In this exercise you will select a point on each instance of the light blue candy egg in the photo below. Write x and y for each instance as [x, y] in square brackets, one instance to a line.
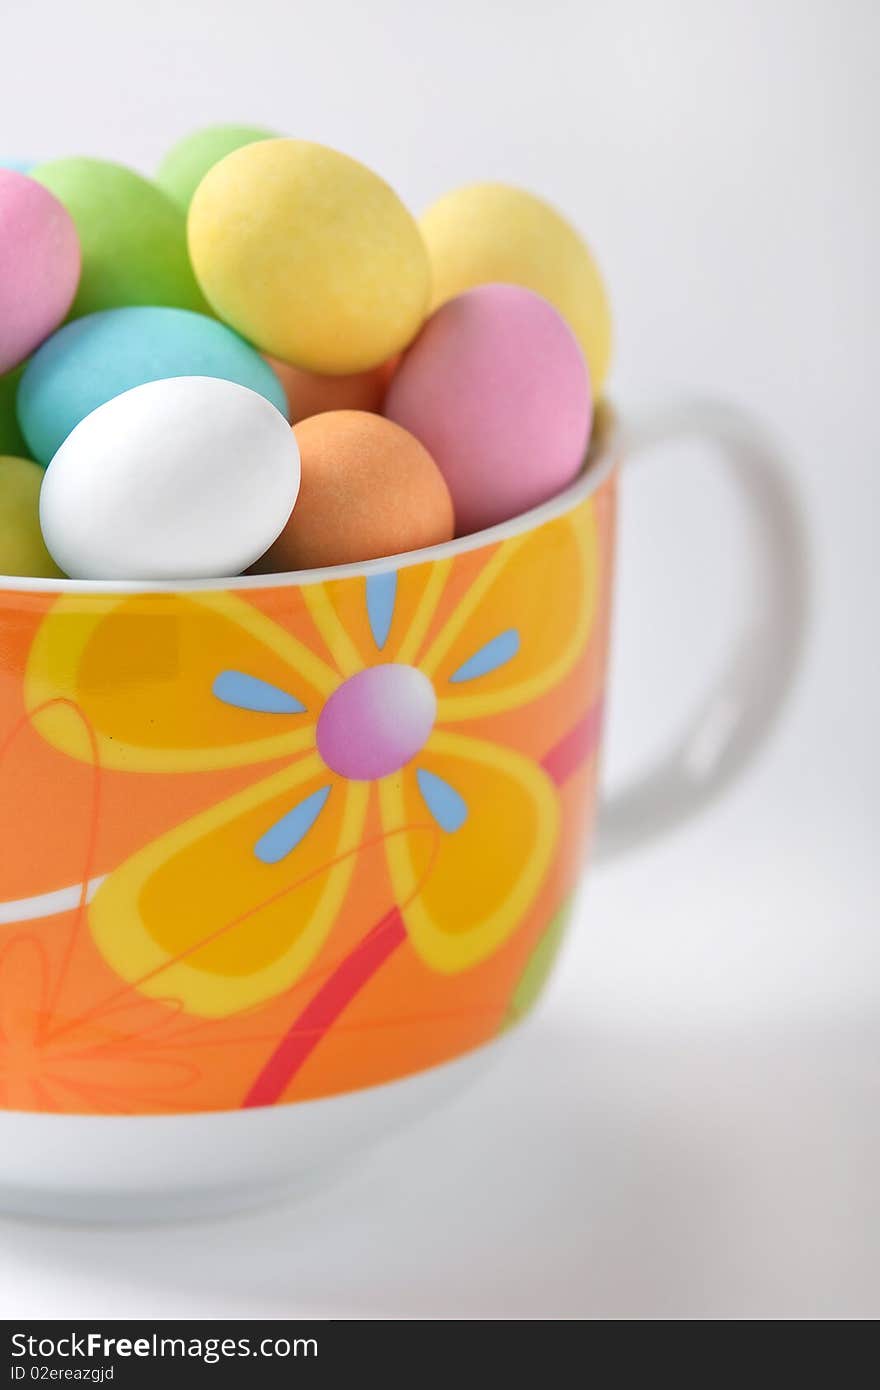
[93, 359]
[21, 166]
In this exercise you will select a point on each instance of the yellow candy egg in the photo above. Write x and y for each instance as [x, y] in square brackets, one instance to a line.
[22, 548]
[489, 232]
[310, 255]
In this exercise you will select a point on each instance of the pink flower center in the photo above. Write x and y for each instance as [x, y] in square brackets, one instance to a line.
[376, 721]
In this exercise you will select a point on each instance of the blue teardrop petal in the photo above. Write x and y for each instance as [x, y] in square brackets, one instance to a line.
[495, 653]
[381, 596]
[248, 692]
[287, 833]
[446, 806]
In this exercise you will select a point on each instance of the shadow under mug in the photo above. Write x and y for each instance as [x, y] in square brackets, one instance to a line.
[281, 855]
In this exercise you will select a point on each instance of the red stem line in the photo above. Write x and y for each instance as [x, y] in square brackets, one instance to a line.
[359, 966]
[566, 756]
[324, 1008]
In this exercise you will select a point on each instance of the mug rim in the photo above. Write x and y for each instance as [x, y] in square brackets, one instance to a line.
[596, 470]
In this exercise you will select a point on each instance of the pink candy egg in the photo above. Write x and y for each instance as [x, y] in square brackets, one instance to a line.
[496, 388]
[39, 265]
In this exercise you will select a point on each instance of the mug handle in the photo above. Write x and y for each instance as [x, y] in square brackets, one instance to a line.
[732, 721]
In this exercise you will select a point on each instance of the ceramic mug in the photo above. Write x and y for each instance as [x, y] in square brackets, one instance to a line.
[283, 855]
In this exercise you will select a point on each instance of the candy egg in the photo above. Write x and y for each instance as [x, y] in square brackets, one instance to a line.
[92, 359]
[39, 265]
[187, 162]
[11, 438]
[496, 388]
[489, 232]
[133, 237]
[21, 166]
[22, 548]
[310, 393]
[185, 478]
[310, 255]
[368, 489]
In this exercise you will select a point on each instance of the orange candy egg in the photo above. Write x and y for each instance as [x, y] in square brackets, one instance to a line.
[310, 393]
[368, 489]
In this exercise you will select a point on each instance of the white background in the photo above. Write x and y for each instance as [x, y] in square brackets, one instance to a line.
[690, 1125]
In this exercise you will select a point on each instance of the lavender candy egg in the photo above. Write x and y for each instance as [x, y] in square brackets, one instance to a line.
[496, 388]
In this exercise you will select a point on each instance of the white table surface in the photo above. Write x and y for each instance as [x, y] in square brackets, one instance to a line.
[689, 1126]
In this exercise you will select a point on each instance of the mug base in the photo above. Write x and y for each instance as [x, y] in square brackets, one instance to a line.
[152, 1168]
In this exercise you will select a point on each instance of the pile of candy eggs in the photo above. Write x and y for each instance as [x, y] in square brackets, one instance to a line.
[260, 361]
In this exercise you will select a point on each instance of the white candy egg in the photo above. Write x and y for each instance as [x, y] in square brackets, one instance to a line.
[186, 478]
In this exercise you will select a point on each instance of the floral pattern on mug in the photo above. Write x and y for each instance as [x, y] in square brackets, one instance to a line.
[396, 748]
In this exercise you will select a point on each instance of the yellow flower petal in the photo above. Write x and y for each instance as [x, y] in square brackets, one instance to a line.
[383, 617]
[419, 590]
[199, 916]
[338, 610]
[142, 669]
[521, 624]
[465, 892]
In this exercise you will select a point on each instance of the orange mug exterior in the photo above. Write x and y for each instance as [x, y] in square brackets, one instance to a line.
[202, 908]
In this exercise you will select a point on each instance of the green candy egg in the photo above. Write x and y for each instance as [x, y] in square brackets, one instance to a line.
[187, 162]
[133, 237]
[22, 548]
[11, 438]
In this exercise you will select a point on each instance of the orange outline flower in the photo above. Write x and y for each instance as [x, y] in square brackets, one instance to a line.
[111, 1064]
